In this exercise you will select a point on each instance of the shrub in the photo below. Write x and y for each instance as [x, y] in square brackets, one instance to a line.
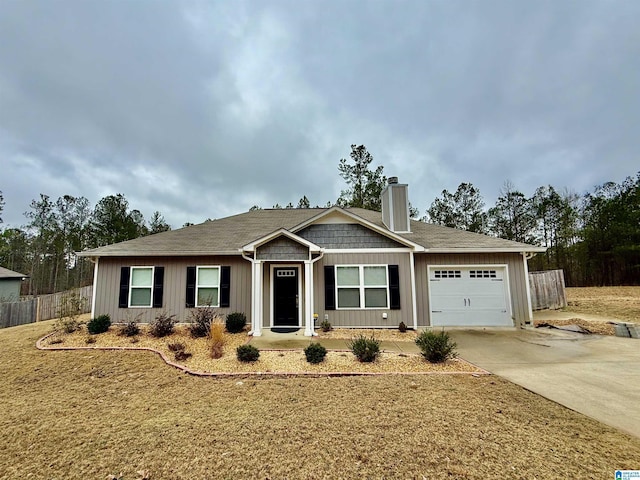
[70, 308]
[247, 353]
[181, 355]
[402, 327]
[315, 353]
[200, 321]
[162, 325]
[175, 347]
[216, 339]
[436, 347]
[325, 326]
[100, 324]
[129, 329]
[366, 349]
[235, 322]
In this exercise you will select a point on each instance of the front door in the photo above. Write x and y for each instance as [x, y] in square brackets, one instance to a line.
[285, 296]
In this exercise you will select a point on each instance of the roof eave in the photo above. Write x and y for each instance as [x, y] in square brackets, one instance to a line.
[163, 253]
[531, 249]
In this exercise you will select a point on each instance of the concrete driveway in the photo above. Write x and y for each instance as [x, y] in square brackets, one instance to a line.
[595, 375]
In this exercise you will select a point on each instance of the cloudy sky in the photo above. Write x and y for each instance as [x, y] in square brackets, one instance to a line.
[204, 108]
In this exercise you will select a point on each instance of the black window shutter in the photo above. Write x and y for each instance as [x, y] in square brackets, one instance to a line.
[123, 300]
[329, 288]
[158, 286]
[394, 287]
[191, 287]
[225, 286]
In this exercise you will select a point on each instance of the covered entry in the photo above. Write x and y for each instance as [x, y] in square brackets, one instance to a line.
[286, 296]
[473, 296]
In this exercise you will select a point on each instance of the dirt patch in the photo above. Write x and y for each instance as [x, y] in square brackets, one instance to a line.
[381, 334]
[87, 414]
[289, 361]
[621, 303]
[599, 328]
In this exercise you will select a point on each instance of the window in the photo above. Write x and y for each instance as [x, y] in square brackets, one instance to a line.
[362, 286]
[208, 287]
[141, 287]
[447, 274]
[482, 274]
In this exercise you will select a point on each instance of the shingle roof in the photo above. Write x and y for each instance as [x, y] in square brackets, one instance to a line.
[228, 235]
[6, 273]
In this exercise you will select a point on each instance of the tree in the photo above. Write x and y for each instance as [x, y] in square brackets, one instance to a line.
[158, 224]
[365, 185]
[463, 209]
[1, 205]
[113, 222]
[304, 202]
[513, 217]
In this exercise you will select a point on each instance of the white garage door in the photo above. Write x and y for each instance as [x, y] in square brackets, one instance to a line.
[469, 296]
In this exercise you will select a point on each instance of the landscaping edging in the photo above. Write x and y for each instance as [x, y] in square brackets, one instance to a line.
[40, 346]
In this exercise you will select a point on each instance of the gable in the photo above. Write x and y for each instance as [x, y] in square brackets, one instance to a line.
[282, 248]
[346, 235]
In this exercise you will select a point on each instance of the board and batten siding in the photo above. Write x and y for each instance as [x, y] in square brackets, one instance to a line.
[362, 318]
[175, 284]
[515, 270]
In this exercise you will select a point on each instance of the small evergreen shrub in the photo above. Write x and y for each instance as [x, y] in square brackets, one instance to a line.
[100, 324]
[436, 347]
[162, 325]
[235, 322]
[325, 326]
[200, 322]
[315, 353]
[247, 353]
[402, 327]
[366, 349]
[129, 329]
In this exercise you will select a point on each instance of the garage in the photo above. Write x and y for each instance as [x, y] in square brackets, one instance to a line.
[469, 296]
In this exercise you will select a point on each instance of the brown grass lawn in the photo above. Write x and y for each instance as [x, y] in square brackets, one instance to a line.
[87, 414]
[621, 303]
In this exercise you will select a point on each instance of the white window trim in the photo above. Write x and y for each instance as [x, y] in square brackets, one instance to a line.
[362, 287]
[198, 286]
[150, 287]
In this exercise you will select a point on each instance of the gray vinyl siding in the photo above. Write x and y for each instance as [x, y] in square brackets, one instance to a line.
[515, 270]
[175, 284]
[366, 318]
[346, 235]
[10, 289]
[282, 248]
[400, 209]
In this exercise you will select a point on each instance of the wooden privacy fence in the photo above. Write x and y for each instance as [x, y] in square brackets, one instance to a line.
[40, 308]
[547, 290]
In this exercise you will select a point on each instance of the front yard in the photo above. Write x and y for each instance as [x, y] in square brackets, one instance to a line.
[88, 414]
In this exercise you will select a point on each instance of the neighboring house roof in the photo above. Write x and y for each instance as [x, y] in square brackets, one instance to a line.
[227, 236]
[6, 273]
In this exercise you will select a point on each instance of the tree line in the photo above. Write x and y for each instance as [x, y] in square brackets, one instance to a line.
[45, 247]
[593, 237]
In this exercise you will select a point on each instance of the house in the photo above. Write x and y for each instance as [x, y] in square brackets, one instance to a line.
[10, 282]
[291, 268]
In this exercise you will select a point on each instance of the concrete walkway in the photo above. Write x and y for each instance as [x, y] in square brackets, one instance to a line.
[296, 340]
[595, 375]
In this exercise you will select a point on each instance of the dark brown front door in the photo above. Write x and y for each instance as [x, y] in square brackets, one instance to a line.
[285, 296]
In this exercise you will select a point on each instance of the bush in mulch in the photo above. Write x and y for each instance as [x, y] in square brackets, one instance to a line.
[247, 353]
[235, 322]
[315, 353]
[162, 325]
[366, 349]
[436, 347]
[100, 324]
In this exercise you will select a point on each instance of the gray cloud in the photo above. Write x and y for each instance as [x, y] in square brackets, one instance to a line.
[202, 109]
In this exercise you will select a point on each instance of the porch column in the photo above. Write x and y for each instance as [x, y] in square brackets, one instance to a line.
[256, 303]
[308, 302]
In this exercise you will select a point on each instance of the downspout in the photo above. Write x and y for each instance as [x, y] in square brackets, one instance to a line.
[526, 256]
[253, 293]
[311, 287]
[413, 290]
[94, 290]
